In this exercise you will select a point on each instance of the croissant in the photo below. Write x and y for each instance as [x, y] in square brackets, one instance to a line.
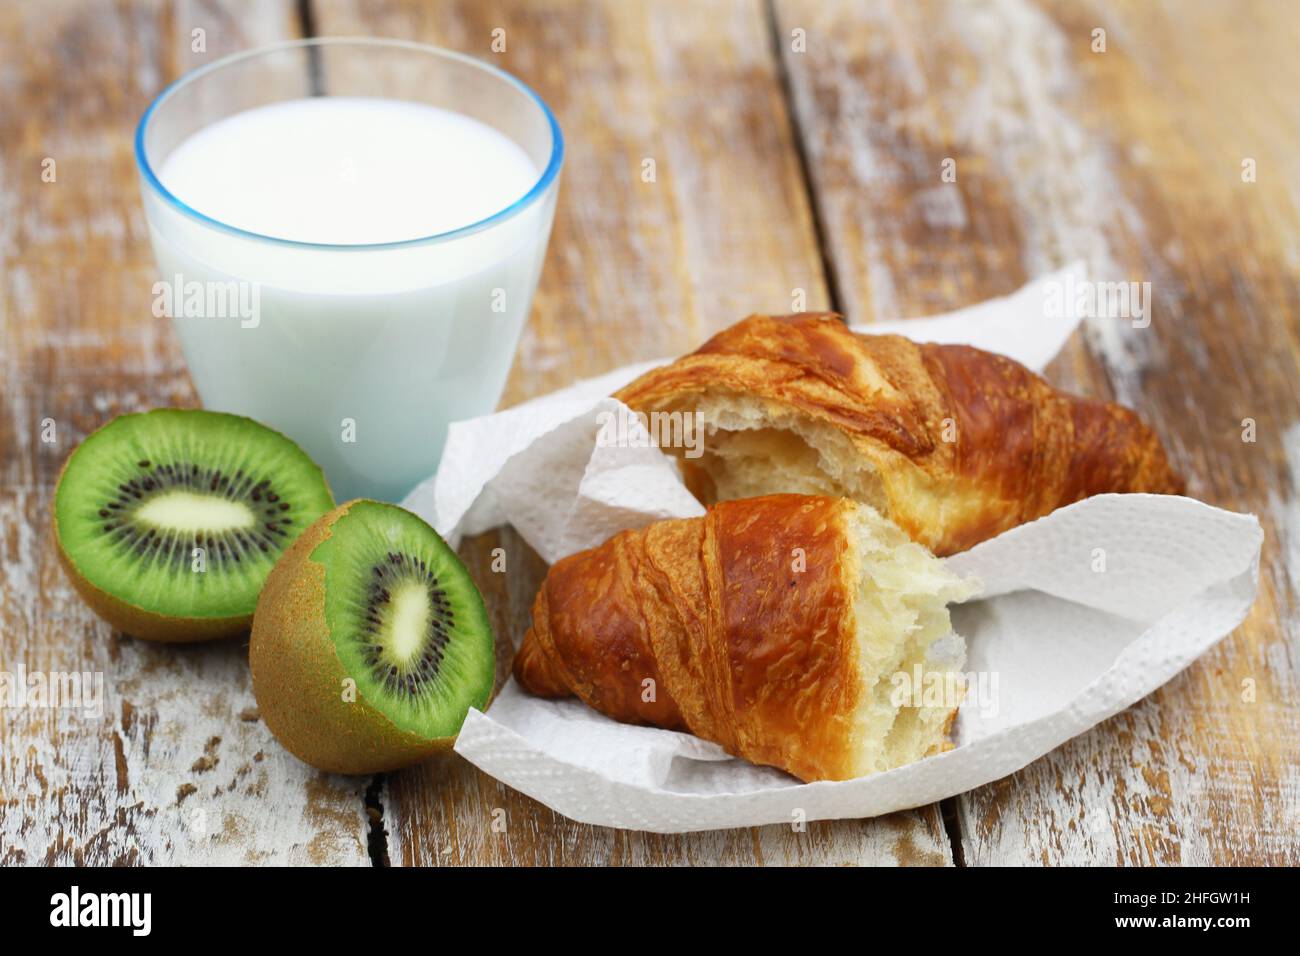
[784, 628]
[954, 444]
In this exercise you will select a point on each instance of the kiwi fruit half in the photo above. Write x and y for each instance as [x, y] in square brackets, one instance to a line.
[370, 643]
[169, 521]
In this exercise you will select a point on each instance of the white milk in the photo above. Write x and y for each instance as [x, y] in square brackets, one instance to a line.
[361, 355]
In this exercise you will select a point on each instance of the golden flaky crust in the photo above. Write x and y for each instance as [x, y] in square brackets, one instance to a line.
[741, 648]
[965, 443]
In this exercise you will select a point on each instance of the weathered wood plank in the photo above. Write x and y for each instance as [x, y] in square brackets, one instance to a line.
[174, 766]
[1131, 158]
[636, 269]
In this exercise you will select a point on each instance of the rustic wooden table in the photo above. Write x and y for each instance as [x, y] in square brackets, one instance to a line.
[799, 148]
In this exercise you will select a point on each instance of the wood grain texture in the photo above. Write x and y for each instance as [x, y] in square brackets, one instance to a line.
[1132, 159]
[635, 270]
[175, 766]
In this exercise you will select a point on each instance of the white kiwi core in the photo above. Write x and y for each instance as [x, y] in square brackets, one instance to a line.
[407, 624]
[189, 511]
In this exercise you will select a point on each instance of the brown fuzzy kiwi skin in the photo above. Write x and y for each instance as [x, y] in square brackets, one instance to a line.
[135, 620]
[298, 679]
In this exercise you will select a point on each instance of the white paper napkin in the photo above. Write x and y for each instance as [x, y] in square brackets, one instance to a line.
[1083, 612]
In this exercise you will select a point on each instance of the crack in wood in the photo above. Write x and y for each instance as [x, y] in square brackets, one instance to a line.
[799, 139]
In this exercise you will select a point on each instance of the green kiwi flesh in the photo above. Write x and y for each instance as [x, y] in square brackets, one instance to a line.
[370, 643]
[169, 521]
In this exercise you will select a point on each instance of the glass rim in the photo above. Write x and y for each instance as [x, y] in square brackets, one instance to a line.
[539, 188]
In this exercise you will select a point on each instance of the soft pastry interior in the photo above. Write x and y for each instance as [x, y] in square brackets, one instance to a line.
[900, 610]
[752, 450]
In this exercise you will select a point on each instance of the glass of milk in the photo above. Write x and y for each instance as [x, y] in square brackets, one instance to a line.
[349, 234]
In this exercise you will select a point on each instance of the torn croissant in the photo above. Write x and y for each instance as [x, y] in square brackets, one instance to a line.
[954, 444]
[774, 626]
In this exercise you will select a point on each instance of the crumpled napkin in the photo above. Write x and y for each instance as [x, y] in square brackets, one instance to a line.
[1082, 612]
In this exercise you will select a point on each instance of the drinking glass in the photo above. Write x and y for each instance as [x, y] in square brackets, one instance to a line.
[361, 353]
